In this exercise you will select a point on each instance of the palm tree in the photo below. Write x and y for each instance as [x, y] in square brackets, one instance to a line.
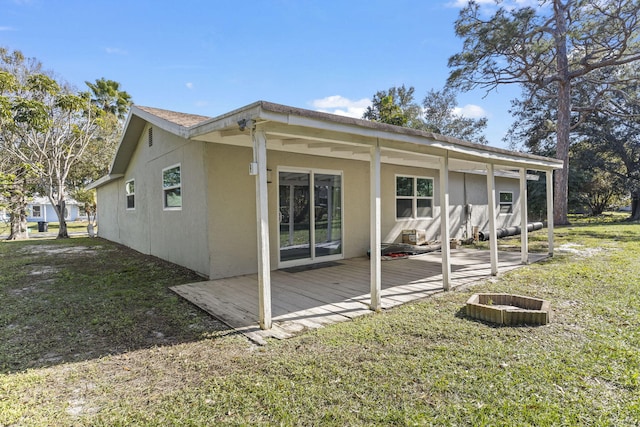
[106, 95]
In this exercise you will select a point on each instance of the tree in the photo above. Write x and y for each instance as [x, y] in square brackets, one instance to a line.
[440, 117]
[94, 163]
[15, 186]
[549, 49]
[605, 144]
[595, 181]
[107, 96]
[47, 126]
[16, 177]
[395, 107]
[614, 134]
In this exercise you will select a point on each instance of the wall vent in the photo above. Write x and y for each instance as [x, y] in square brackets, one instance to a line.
[150, 137]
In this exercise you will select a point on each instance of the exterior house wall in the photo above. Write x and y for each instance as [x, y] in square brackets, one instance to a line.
[110, 197]
[178, 236]
[232, 208]
[464, 189]
[232, 213]
[215, 231]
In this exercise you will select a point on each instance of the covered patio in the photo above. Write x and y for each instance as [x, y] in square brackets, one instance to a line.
[310, 297]
[276, 128]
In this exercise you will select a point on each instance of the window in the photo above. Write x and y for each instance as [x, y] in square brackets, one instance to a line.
[172, 187]
[506, 202]
[414, 197]
[130, 191]
[36, 211]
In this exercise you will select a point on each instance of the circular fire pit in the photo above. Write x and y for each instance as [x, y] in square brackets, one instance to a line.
[508, 310]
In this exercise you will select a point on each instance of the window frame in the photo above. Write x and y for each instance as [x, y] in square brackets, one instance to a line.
[414, 197]
[165, 189]
[33, 212]
[501, 203]
[128, 194]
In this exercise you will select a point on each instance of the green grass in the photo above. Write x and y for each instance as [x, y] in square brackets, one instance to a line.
[53, 227]
[79, 345]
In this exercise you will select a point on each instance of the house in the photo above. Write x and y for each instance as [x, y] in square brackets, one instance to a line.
[269, 186]
[40, 209]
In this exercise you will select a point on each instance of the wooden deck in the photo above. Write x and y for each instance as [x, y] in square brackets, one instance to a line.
[307, 298]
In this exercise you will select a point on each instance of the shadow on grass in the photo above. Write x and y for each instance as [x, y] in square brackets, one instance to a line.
[79, 299]
[621, 231]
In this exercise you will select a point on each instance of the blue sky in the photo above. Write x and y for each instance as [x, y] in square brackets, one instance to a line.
[209, 57]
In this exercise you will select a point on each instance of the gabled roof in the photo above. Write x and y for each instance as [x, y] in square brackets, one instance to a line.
[318, 133]
[180, 119]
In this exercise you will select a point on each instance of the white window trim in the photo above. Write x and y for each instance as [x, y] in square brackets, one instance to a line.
[505, 203]
[171, 208]
[414, 198]
[33, 215]
[126, 195]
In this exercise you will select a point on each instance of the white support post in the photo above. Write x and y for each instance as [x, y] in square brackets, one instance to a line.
[444, 222]
[262, 213]
[375, 221]
[491, 204]
[524, 221]
[550, 210]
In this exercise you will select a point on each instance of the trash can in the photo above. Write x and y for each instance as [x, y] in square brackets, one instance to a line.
[43, 226]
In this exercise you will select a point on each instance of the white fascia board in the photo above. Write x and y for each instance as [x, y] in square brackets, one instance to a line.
[226, 121]
[104, 180]
[467, 152]
[407, 140]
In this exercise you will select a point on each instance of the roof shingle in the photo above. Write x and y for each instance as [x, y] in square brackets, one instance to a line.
[181, 119]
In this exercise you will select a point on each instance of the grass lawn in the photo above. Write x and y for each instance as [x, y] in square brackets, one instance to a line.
[90, 335]
[53, 227]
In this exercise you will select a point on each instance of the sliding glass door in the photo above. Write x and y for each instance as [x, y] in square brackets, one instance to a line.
[310, 215]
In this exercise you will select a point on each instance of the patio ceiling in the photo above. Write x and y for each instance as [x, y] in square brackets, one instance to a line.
[313, 133]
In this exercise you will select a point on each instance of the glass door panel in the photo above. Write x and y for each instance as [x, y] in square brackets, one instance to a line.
[328, 214]
[295, 218]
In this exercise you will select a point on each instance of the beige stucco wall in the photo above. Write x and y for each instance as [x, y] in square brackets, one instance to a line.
[232, 208]
[107, 207]
[232, 213]
[215, 232]
[177, 236]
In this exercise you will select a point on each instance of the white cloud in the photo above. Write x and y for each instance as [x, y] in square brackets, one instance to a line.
[341, 106]
[189, 85]
[115, 51]
[470, 111]
[6, 28]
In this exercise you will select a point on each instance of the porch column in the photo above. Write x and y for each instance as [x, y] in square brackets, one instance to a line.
[524, 220]
[375, 221]
[550, 210]
[444, 222]
[491, 204]
[262, 213]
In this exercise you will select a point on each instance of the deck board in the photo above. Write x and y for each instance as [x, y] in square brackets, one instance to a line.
[313, 298]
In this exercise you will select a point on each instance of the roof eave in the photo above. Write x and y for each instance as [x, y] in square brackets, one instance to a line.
[270, 112]
[104, 180]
